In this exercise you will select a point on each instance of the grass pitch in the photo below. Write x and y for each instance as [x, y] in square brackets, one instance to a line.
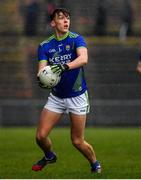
[118, 150]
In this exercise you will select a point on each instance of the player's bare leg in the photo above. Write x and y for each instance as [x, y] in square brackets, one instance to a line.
[77, 136]
[47, 121]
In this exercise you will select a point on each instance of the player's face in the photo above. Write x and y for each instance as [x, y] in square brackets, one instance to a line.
[61, 23]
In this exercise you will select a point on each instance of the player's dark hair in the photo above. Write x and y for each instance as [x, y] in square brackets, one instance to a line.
[57, 11]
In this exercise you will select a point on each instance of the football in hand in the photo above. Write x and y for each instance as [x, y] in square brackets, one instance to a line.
[48, 78]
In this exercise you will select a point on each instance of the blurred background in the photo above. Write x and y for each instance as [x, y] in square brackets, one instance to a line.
[112, 29]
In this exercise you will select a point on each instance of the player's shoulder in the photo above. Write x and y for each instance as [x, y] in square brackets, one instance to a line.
[48, 40]
[74, 35]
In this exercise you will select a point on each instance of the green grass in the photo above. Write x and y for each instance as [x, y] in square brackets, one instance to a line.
[118, 150]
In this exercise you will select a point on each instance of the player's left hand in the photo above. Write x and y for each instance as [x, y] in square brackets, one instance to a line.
[59, 68]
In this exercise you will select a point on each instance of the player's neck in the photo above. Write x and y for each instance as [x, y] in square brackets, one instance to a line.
[61, 36]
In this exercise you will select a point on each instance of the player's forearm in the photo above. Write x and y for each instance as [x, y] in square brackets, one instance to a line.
[78, 62]
[139, 67]
[41, 65]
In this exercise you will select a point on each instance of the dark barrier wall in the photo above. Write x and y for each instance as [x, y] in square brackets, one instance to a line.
[114, 85]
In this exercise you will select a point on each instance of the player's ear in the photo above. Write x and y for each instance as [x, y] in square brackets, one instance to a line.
[52, 23]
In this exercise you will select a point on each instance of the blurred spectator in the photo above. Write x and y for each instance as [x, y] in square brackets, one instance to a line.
[139, 64]
[62, 3]
[30, 12]
[126, 20]
[101, 18]
[49, 8]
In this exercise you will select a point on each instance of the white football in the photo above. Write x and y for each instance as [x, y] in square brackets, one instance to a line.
[48, 78]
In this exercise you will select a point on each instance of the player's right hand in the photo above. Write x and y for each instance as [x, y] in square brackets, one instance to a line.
[40, 84]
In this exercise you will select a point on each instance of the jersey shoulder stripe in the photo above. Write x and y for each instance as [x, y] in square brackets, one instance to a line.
[73, 35]
[48, 40]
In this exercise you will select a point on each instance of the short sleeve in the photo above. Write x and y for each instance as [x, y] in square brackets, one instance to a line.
[80, 42]
[41, 53]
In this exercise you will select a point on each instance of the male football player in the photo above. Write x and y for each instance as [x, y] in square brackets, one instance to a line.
[66, 52]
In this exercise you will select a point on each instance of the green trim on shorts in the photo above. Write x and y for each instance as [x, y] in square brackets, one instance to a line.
[87, 97]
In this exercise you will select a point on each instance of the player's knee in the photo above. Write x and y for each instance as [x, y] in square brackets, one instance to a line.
[40, 137]
[77, 142]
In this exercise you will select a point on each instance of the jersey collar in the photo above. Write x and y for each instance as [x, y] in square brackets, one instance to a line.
[63, 37]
